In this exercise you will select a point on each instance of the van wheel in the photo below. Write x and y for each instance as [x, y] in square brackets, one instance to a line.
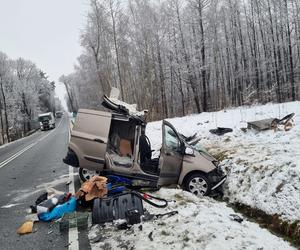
[86, 174]
[198, 184]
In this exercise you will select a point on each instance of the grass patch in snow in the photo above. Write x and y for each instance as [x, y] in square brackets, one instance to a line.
[290, 231]
[221, 155]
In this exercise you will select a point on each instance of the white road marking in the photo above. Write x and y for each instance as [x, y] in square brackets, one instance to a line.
[73, 232]
[11, 205]
[5, 162]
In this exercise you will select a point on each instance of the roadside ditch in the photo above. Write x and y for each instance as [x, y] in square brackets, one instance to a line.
[288, 230]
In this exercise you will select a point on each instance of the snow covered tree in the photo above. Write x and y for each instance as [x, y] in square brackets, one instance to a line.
[24, 93]
[178, 57]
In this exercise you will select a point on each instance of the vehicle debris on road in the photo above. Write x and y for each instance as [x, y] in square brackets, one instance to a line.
[93, 188]
[25, 228]
[58, 211]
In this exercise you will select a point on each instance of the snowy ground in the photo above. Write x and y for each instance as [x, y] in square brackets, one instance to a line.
[263, 167]
[201, 223]
[263, 172]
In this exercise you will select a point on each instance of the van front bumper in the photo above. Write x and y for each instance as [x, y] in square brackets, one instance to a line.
[217, 179]
[220, 183]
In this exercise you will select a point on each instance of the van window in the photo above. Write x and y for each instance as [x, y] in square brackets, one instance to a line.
[171, 140]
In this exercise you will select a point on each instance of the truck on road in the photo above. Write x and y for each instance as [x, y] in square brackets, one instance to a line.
[47, 121]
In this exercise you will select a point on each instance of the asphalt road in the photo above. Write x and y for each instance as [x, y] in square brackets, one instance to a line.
[27, 168]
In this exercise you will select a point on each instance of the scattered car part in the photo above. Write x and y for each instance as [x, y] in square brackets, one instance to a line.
[271, 123]
[115, 207]
[220, 131]
[25, 228]
[40, 199]
[261, 125]
[59, 210]
[127, 206]
[47, 205]
[96, 187]
[147, 216]
[133, 216]
[236, 217]
[150, 236]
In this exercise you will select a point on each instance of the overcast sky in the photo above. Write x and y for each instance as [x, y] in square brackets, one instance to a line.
[43, 31]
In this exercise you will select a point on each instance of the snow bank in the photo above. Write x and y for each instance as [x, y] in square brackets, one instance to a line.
[263, 167]
[263, 172]
[201, 223]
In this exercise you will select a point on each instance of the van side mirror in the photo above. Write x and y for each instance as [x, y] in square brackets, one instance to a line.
[189, 151]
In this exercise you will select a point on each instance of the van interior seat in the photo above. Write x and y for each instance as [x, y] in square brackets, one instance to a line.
[123, 161]
[147, 163]
[145, 149]
[120, 147]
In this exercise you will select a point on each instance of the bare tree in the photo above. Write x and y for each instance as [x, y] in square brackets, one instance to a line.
[179, 57]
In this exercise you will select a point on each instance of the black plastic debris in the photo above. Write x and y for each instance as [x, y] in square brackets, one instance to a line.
[236, 217]
[39, 200]
[147, 216]
[133, 216]
[150, 236]
[123, 226]
[116, 207]
[220, 131]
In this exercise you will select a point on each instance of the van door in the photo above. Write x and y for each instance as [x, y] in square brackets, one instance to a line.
[90, 137]
[170, 161]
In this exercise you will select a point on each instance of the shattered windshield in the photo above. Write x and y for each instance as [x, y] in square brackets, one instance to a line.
[44, 118]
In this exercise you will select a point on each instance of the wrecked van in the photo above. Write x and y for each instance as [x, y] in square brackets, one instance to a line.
[115, 143]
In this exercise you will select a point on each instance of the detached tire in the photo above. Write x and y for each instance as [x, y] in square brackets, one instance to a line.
[198, 184]
[86, 174]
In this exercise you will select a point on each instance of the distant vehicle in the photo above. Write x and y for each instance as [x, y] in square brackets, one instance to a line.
[47, 121]
[59, 114]
[115, 143]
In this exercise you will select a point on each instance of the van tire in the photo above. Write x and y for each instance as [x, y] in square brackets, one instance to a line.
[86, 175]
[198, 184]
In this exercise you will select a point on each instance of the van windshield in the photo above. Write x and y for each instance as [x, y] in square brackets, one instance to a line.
[44, 118]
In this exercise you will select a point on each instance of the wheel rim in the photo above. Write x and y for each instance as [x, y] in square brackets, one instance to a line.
[88, 174]
[198, 186]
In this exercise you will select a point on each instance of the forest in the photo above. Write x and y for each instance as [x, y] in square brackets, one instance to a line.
[25, 92]
[177, 57]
